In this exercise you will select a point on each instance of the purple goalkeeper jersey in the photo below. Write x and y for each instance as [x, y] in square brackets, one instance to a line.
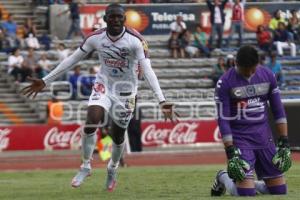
[242, 106]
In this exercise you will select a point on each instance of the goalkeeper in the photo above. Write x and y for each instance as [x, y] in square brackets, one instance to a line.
[242, 96]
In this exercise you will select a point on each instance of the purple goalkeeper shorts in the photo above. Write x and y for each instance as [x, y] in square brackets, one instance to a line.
[260, 161]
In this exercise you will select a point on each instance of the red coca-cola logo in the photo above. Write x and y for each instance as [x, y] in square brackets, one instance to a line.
[4, 140]
[55, 139]
[181, 133]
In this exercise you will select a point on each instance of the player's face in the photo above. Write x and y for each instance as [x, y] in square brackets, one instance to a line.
[115, 18]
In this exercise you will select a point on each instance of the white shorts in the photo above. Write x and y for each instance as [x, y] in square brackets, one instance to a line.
[120, 108]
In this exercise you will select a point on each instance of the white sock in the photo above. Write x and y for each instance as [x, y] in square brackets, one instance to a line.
[117, 151]
[261, 187]
[88, 147]
[229, 184]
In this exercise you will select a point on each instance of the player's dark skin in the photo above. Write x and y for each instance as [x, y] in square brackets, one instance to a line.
[115, 19]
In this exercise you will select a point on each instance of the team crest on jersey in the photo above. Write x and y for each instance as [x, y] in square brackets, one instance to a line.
[250, 90]
[99, 88]
[124, 52]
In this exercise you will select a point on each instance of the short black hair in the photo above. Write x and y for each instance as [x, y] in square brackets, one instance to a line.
[247, 57]
[113, 5]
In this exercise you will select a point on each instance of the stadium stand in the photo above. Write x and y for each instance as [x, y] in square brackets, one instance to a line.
[181, 79]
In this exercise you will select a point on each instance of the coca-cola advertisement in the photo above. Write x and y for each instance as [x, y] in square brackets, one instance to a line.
[40, 137]
[60, 137]
[184, 132]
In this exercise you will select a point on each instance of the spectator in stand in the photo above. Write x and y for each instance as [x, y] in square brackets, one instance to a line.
[264, 39]
[276, 68]
[32, 42]
[44, 63]
[55, 111]
[294, 25]
[217, 19]
[188, 45]
[200, 41]
[29, 28]
[174, 46]
[262, 59]
[75, 19]
[30, 35]
[46, 41]
[62, 51]
[74, 81]
[179, 28]
[15, 62]
[282, 40]
[30, 63]
[230, 62]
[10, 31]
[2, 40]
[273, 25]
[219, 69]
[87, 82]
[237, 20]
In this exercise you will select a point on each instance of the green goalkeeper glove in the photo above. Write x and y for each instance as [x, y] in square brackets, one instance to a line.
[282, 159]
[236, 166]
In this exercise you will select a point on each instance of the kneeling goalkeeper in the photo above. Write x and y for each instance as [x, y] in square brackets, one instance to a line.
[242, 96]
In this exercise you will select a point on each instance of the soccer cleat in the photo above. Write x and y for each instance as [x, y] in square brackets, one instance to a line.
[218, 189]
[80, 176]
[111, 179]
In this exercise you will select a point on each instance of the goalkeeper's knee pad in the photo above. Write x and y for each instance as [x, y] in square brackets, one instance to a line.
[278, 189]
[246, 191]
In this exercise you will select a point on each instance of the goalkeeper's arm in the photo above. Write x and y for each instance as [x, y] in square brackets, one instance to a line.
[282, 159]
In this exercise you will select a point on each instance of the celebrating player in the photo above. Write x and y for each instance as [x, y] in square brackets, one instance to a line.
[115, 88]
[241, 96]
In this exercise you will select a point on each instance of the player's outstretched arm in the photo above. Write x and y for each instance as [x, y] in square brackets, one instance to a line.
[38, 84]
[166, 107]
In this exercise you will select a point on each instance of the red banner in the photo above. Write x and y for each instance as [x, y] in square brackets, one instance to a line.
[90, 16]
[45, 137]
[188, 132]
[39, 137]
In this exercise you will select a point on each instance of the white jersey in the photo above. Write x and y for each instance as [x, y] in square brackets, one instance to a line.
[118, 59]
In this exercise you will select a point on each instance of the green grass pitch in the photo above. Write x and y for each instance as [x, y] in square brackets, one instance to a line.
[141, 183]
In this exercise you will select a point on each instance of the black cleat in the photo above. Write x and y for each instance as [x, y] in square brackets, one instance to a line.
[218, 188]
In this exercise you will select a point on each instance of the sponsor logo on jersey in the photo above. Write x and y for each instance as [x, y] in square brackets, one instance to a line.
[116, 63]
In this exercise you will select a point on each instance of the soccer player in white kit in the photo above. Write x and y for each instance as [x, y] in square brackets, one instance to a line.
[119, 49]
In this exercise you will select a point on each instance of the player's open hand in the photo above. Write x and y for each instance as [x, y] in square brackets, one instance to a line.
[34, 88]
[282, 159]
[236, 166]
[169, 111]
